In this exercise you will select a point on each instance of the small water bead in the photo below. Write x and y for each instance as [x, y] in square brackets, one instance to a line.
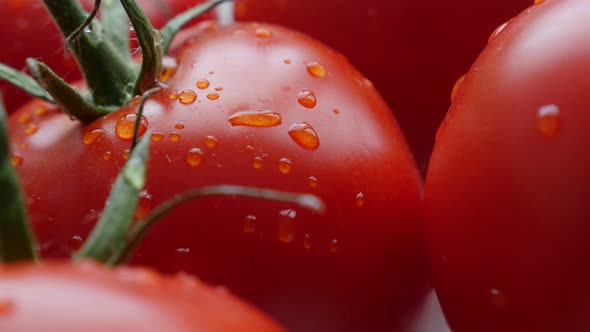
[174, 137]
[313, 182]
[286, 230]
[25, 118]
[187, 96]
[194, 157]
[31, 129]
[257, 163]
[126, 154]
[498, 298]
[41, 111]
[213, 96]
[92, 136]
[136, 100]
[304, 135]
[287, 61]
[316, 69]
[16, 159]
[249, 224]
[211, 141]
[179, 125]
[202, 84]
[169, 67]
[219, 88]
[126, 125]
[334, 246]
[360, 199]
[457, 87]
[285, 166]
[306, 241]
[107, 155]
[263, 32]
[255, 119]
[498, 30]
[336, 111]
[547, 122]
[538, 2]
[174, 96]
[157, 136]
[144, 205]
[307, 99]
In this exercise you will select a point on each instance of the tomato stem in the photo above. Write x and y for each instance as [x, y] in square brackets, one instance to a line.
[308, 201]
[144, 98]
[16, 240]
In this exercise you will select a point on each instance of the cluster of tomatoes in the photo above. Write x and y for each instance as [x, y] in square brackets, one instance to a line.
[499, 227]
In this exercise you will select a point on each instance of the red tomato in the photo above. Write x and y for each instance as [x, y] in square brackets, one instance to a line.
[413, 51]
[260, 106]
[91, 298]
[27, 20]
[507, 190]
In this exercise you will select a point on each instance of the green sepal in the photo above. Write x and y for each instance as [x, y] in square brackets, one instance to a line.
[151, 51]
[24, 82]
[174, 25]
[66, 97]
[114, 21]
[124, 253]
[16, 239]
[112, 228]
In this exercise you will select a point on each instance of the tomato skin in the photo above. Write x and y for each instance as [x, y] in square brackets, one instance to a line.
[413, 51]
[359, 266]
[27, 19]
[507, 189]
[59, 296]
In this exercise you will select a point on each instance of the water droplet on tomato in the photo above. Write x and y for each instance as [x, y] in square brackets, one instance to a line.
[286, 229]
[41, 111]
[75, 242]
[498, 298]
[7, 306]
[538, 2]
[107, 155]
[130, 27]
[213, 96]
[173, 137]
[257, 162]
[125, 126]
[360, 199]
[304, 135]
[316, 69]
[336, 111]
[313, 182]
[457, 87]
[16, 159]
[169, 67]
[174, 96]
[219, 88]
[194, 157]
[498, 30]
[202, 84]
[547, 122]
[210, 142]
[285, 166]
[31, 129]
[157, 136]
[25, 118]
[187, 96]
[249, 224]
[307, 99]
[125, 154]
[334, 246]
[306, 241]
[255, 119]
[92, 136]
[179, 125]
[263, 32]
[144, 204]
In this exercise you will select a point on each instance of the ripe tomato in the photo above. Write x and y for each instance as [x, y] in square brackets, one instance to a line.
[413, 51]
[88, 297]
[263, 106]
[508, 187]
[28, 19]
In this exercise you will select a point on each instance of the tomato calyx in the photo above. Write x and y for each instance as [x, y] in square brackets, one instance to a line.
[101, 49]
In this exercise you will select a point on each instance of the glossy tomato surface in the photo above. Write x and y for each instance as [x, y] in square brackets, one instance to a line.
[508, 188]
[88, 297]
[263, 106]
[413, 51]
[30, 32]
